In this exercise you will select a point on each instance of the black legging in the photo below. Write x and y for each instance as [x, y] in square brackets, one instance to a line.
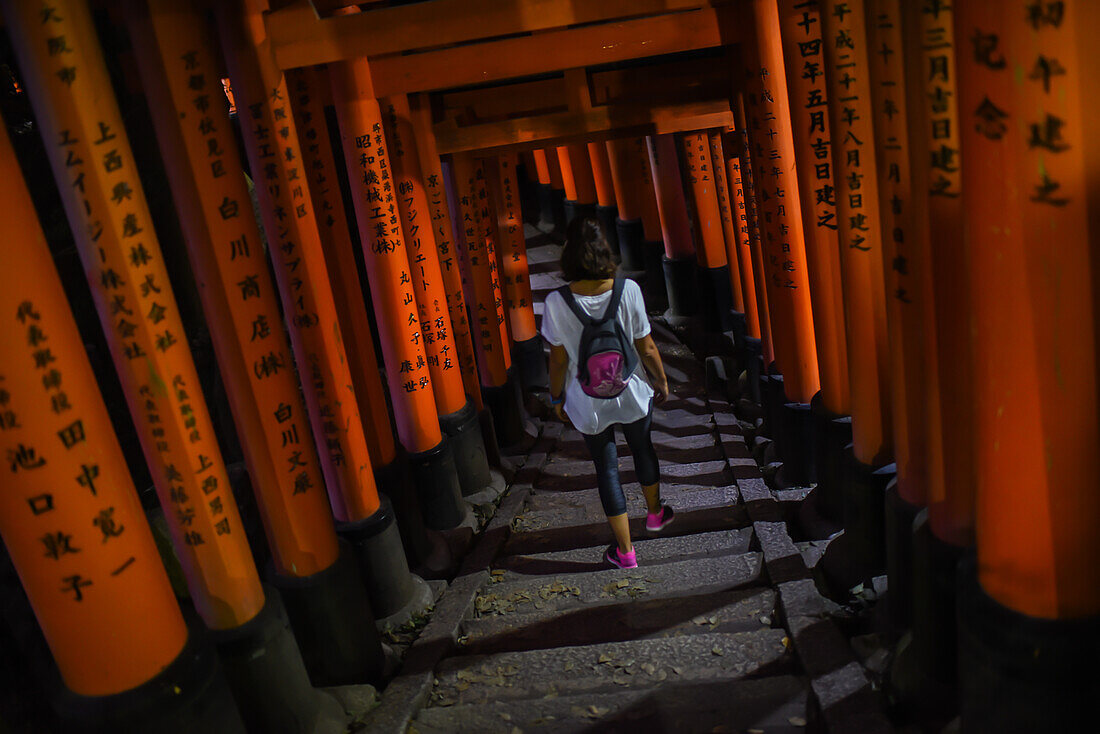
[606, 458]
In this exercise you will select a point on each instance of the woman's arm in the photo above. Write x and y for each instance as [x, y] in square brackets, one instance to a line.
[559, 361]
[651, 359]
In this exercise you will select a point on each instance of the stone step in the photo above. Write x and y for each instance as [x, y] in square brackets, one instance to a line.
[621, 620]
[679, 496]
[572, 590]
[606, 666]
[650, 550]
[568, 475]
[776, 705]
[702, 510]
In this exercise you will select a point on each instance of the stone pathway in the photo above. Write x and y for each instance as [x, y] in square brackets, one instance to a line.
[719, 629]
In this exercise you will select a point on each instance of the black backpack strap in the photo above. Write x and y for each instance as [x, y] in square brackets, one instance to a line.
[616, 297]
[567, 296]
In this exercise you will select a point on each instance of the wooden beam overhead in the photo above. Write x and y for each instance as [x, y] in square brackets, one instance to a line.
[593, 124]
[546, 52]
[301, 37]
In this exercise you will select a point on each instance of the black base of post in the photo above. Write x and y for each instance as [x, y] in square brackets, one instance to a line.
[435, 477]
[631, 235]
[332, 620]
[607, 216]
[468, 446]
[1019, 673]
[775, 397]
[575, 209]
[753, 363]
[864, 497]
[506, 404]
[683, 290]
[385, 572]
[190, 695]
[268, 677]
[530, 360]
[716, 298]
[546, 197]
[656, 294]
[557, 203]
[393, 480]
[831, 434]
[489, 433]
[796, 450]
[739, 329]
[899, 557]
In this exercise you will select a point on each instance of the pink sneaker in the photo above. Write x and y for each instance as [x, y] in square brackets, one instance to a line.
[655, 521]
[617, 558]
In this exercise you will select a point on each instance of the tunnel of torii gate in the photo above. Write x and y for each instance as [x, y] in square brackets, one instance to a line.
[273, 391]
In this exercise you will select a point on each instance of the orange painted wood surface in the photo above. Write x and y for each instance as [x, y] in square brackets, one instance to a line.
[601, 173]
[576, 173]
[626, 172]
[542, 168]
[804, 61]
[668, 187]
[174, 46]
[744, 234]
[857, 198]
[69, 514]
[97, 177]
[554, 167]
[701, 181]
[756, 251]
[515, 272]
[725, 207]
[294, 246]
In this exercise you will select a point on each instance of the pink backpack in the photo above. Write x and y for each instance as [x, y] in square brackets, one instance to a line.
[606, 358]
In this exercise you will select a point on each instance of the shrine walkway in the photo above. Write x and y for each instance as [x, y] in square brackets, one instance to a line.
[719, 629]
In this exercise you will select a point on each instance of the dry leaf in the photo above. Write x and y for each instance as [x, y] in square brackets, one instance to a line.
[786, 642]
[716, 650]
[604, 658]
[797, 721]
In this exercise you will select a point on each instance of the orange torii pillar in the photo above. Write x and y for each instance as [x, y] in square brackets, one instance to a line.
[856, 182]
[713, 275]
[104, 201]
[477, 244]
[606, 209]
[374, 191]
[577, 179]
[178, 65]
[548, 222]
[653, 250]
[678, 262]
[626, 173]
[458, 415]
[71, 520]
[557, 186]
[1029, 613]
[310, 92]
[294, 246]
[778, 195]
[527, 350]
[804, 59]
[492, 225]
[729, 231]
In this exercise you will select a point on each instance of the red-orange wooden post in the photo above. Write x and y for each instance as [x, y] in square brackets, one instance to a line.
[857, 186]
[626, 168]
[476, 237]
[69, 515]
[729, 223]
[577, 180]
[457, 414]
[365, 148]
[1027, 99]
[778, 195]
[176, 57]
[547, 222]
[294, 246]
[310, 92]
[606, 210]
[492, 223]
[679, 261]
[527, 349]
[731, 150]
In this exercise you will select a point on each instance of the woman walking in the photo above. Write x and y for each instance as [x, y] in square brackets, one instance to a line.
[594, 376]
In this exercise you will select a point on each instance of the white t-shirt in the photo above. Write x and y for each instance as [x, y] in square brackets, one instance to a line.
[562, 328]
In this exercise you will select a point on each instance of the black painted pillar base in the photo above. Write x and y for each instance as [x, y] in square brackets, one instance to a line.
[557, 202]
[631, 235]
[394, 481]
[796, 449]
[716, 298]
[382, 565]
[332, 620]
[831, 434]
[1019, 673]
[545, 193]
[530, 360]
[682, 287]
[435, 477]
[489, 433]
[607, 217]
[864, 497]
[506, 404]
[738, 330]
[268, 677]
[190, 695]
[656, 293]
[575, 209]
[468, 446]
[775, 397]
[753, 364]
[900, 516]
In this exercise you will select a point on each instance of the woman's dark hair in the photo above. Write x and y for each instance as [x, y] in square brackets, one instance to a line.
[586, 255]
